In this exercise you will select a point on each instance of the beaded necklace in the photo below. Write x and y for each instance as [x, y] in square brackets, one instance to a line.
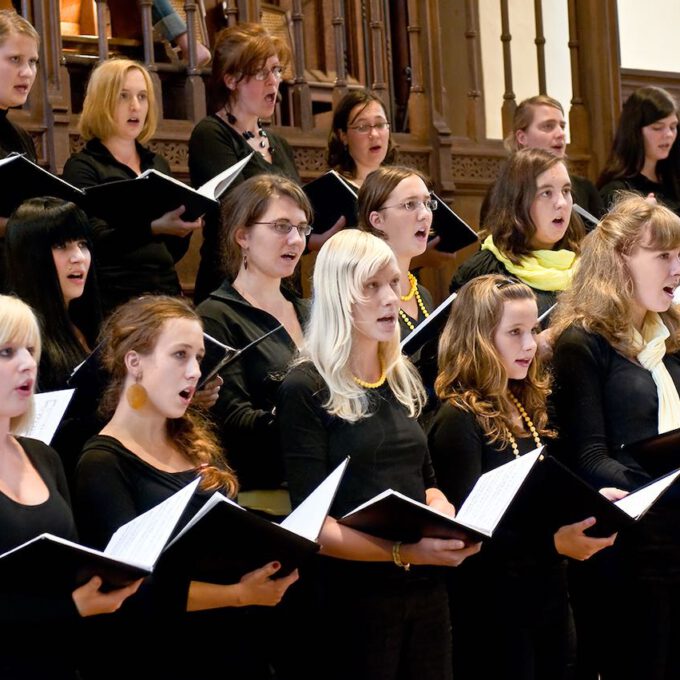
[405, 298]
[372, 385]
[528, 421]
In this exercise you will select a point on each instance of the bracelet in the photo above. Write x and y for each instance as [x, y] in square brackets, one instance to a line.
[396, 557]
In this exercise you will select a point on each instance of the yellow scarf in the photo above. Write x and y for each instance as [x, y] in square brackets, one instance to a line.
[653, 343]
[543, 269]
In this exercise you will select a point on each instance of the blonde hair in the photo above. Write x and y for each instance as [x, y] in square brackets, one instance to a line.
[18, 324]
[602, 292]
[103, 89]
[344, 264]
[472, 376]
[13, 23]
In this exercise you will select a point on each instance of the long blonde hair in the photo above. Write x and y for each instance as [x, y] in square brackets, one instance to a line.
[602, 291]
[345, 263]
[471, 374]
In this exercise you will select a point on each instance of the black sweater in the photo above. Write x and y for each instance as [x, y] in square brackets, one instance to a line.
[213, 147]
[603, 400]
[664, 193]
[244, 410]
[130, 260]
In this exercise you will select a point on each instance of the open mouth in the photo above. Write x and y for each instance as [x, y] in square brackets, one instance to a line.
[376, 148]
[26, 388]
[76, 276]
[422, 233]
[291, 257]
[669, 290]
[388, 320]
[187, 393]
[558, 221]
[270, 98]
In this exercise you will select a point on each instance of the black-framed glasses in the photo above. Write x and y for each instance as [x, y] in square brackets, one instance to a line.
[412, 204]
[284, 227]
[264, 73]
[365, 128]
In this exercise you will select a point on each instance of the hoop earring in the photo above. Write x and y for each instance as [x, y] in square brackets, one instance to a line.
[136, 395]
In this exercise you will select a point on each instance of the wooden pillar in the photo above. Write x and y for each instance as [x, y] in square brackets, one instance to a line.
[194, 88]
[102, 41]
[376, 23]
[475, 120]
[418, 107]
[509, 103]
[540, 46]
[302, 100]
[338, 23]
[595, 28]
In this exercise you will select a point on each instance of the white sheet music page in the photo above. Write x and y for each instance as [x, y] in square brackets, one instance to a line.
[48, 410]
[636, 503]
[308, 518]
[493, 493]
[142, 540]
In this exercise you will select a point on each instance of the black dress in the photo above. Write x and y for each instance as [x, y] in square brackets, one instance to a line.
[244, 410]
[603, 400]
[375, 620]
[114, 486]
[29, 619]
[131, 261]
[509, 605]
[213, 147]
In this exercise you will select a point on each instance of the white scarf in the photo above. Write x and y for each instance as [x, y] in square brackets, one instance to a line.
[653, 342]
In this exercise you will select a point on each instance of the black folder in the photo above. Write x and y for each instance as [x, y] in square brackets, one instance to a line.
[22, 179]
[53, 564]
[656, 455]
[331, 197]
[454, 232]
[428, 330]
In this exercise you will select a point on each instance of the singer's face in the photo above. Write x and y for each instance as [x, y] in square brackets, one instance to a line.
[256, 97]
[515, 337]
[375, 316]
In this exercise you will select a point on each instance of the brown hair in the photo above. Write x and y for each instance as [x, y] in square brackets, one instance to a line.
[246, 204]
[376, 189]
[242, 50]
[11, 22]
[337, 154]
[136, 326]
[600, 299]
[103, 89]
[472, 377]
[524, 117]
[509, 221]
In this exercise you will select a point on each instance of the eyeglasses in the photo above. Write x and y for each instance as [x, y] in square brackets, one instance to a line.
[413, 205]
[284, 227]
[264, 73]
[365, 128]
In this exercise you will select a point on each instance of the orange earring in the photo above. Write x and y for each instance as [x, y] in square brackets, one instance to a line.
[136, 395]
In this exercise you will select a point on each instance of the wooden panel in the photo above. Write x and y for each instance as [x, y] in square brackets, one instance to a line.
[632, 79]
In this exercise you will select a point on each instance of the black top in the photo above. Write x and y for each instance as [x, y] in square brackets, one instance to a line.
[248, 396]
[664, 194]
[114, 486]
[603, 400]
[485, 262]
[28, 619]
[388, 449]
[582, 189]
[214, 146]
[12, 138]
[130, 260]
